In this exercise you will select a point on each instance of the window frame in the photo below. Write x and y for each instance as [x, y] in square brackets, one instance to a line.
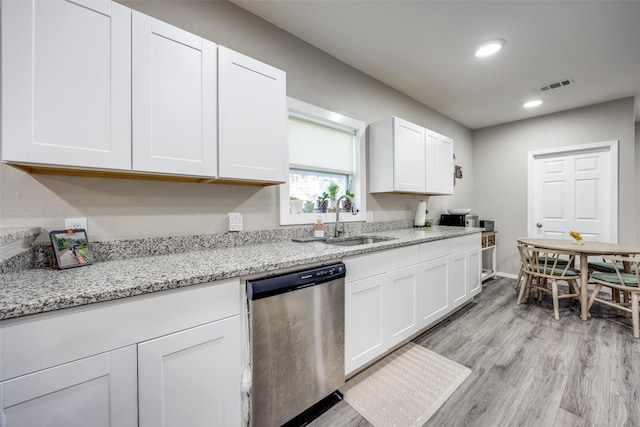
[320, 115]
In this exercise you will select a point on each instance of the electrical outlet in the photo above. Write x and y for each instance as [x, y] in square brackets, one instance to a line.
[75, 223]
[235, 221]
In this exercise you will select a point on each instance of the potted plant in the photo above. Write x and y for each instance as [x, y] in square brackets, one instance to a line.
[308, 206]
[295, 205]
[346, 203]
[332, 190]
[323, 202]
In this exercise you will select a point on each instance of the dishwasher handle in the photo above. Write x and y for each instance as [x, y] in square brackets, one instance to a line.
[270, 286]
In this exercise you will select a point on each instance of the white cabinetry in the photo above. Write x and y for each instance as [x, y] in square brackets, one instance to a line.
[397, 152]
[407, 158]
[66, 83]
[434, 281]
[380, 303]
[465, 279]
[166, 350]
[191, 377]
[439, 163]
[252, 119]
[174, 100]
[95, 391]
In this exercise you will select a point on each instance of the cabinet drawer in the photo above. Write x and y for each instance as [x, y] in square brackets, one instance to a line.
[463, 243]
[368, 265]
[435, 249]
[40, 341]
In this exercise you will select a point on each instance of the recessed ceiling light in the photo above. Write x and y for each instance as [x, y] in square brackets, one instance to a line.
[490, 47]
[531, 104]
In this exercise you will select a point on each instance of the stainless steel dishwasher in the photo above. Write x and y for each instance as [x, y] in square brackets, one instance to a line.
[297, 343]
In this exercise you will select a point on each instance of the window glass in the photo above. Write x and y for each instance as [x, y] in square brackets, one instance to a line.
[326, 151]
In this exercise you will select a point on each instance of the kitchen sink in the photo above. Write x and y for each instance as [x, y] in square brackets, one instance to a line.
[357, 240]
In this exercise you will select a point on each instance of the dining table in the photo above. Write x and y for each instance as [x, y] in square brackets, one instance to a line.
[584, 250]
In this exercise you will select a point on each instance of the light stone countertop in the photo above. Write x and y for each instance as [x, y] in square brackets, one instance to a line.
[41, 290]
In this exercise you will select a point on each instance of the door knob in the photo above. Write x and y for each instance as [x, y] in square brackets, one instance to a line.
[539, 225]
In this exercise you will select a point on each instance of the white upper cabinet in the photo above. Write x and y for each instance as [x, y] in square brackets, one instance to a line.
[397, 156]
[66, 83]
[439, 162]
[252, 119]
[407, 158]
[174, 100]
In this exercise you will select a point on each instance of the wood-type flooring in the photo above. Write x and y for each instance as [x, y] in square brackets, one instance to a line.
[529, 369]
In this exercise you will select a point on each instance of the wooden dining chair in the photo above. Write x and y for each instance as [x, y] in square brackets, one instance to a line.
[541, 267]
[625, 293]
[522, 274]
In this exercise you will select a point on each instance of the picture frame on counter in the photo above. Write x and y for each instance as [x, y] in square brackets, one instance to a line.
[70, 248]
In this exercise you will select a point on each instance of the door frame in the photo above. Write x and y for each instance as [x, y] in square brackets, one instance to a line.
[610, 146]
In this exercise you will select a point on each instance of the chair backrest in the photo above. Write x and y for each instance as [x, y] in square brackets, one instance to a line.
[616, 262]
[548, 263]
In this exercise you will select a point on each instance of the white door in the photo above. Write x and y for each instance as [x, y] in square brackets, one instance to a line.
[191, 378]
[402, 303]
[364, 322]
[252, 119]
[408, 156]
[458, 290]
[574, 189]
[474, 271]
[66, 83]
[174, 83]
[96, 391]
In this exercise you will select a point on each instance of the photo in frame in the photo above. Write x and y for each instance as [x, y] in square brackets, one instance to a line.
[71, 248]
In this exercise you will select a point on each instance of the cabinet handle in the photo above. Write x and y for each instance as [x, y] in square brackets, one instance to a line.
[539, 225]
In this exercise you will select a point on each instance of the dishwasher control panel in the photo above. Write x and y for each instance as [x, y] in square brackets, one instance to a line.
[269, 286]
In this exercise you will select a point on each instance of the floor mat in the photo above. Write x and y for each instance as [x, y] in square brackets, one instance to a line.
[405, 388]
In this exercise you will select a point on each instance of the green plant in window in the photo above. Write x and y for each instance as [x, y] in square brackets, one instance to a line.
[323, 202]
[333, 189]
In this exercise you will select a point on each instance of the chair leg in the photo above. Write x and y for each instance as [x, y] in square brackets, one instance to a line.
[523, 289]
[593, 296]
[635, 314]
[517, 285]
[554, 291]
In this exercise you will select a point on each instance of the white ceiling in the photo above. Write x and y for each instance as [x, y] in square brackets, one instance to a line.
[425, 49]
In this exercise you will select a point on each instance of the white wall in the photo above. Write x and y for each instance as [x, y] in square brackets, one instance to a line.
[119, 209]
[500, 163]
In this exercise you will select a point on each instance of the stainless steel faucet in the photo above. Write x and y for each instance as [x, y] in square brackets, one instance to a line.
[337, 230]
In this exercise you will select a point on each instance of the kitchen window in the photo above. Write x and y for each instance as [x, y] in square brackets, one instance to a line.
[325, 148]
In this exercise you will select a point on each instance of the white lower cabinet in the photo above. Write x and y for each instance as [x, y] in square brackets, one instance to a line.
[364, 322]
[402, 304]
[170, 358]
[190, 378]
[95, 391]
[434, 290]
[392, 295]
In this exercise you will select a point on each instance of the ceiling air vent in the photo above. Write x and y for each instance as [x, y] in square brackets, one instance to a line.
[556, 85]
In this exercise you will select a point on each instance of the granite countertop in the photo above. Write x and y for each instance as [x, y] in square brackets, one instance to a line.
[41, 290]
[12, 234]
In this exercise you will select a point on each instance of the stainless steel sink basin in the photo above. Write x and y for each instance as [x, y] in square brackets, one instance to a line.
[357, 240]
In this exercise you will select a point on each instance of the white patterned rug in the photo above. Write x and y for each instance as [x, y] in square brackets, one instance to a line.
[405, 388]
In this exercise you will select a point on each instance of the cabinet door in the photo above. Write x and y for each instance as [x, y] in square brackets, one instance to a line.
[191, 378]
[408, 156]
[439, 163]
[474, 271]
[174, 78]
[434, 290]
[66, 83]
[252, 119]
[458, 279]
[365, 337]
[402, 304]
[96, 391]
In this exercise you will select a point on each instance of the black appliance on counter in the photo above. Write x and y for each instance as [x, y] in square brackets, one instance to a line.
[488, 225]
[453, 220]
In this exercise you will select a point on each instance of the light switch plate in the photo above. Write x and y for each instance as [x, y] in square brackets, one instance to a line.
[235, 221]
